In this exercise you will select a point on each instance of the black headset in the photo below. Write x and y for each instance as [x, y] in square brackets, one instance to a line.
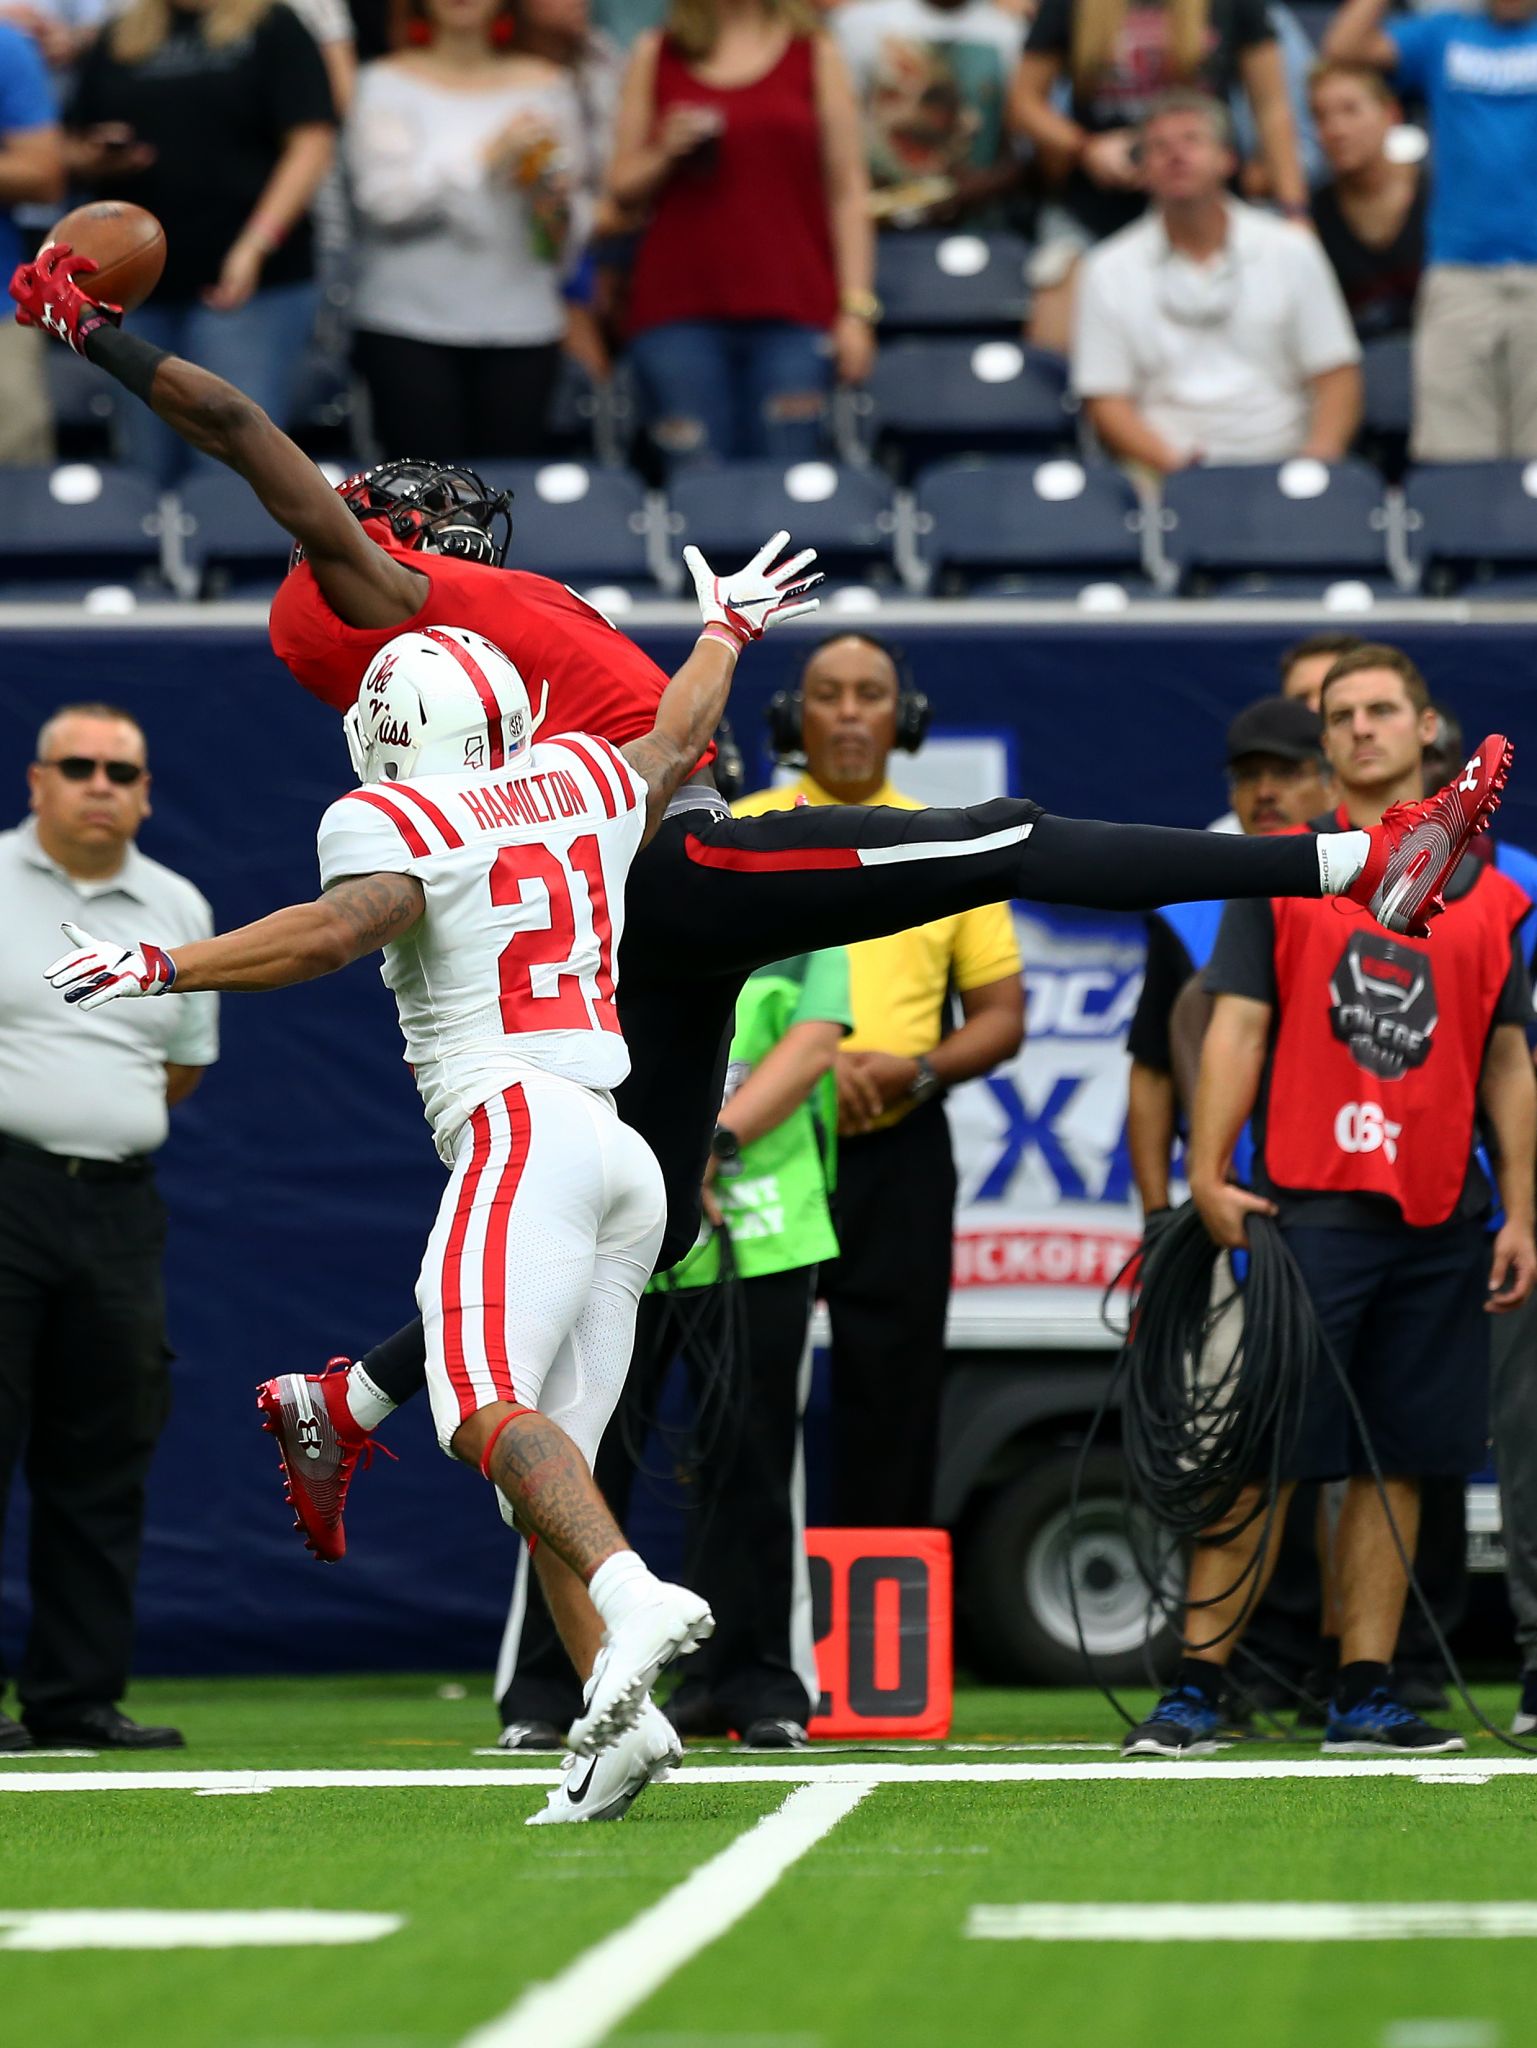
[914, 712]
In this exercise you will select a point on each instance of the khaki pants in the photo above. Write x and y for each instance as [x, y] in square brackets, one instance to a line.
[1475, 364]
[26, 417]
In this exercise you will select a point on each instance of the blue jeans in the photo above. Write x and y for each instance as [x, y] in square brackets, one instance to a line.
[257, 348]
[732, 389]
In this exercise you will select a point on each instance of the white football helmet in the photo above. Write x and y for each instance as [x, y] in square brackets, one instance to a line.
[437, 702]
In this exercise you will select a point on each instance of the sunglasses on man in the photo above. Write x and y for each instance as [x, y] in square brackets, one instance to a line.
[79, 768]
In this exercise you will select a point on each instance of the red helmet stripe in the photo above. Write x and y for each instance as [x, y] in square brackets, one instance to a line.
[496, 756]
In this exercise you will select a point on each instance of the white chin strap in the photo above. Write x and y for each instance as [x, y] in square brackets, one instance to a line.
[352, 730]
[536, 718]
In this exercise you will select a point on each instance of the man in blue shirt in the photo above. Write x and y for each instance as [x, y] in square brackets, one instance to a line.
[1475, 342]
[31, 169]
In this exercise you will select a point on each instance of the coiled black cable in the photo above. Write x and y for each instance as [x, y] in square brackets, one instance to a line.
[708, 1327]
[1210, 1404]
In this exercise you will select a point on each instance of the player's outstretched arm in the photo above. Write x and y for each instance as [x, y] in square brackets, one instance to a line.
[362, 584]
[353, 917]
[736, 610]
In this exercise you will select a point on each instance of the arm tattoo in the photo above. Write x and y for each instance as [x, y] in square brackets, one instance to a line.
[373, 909]
[657, 764]
[542, 1473]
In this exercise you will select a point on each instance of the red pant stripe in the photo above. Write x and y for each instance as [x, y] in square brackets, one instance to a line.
[453, 1258]
[769, 860]
[493, 1269]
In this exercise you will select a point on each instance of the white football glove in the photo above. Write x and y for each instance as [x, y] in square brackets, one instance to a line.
[101, 969]
[757, 597]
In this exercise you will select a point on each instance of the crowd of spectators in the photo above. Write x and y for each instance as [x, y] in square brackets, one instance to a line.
[1221, 205]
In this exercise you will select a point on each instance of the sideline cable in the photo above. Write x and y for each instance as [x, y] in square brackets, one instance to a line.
[1210, 1402]
[707, 1326]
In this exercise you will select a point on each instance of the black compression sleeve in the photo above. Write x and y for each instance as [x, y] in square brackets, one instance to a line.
[127, 357]
[398, 1365]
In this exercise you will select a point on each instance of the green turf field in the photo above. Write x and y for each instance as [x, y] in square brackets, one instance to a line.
[841, 1906]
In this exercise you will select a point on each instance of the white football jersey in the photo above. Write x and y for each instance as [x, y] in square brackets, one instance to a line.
[513, 965]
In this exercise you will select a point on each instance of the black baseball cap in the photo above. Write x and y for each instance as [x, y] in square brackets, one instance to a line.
[1282, 726]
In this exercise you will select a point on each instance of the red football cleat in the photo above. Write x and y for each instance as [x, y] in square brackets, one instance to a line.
[1417, 847]
[319, 1444]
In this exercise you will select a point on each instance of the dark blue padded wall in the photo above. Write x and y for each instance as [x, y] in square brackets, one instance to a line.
[301, 1181]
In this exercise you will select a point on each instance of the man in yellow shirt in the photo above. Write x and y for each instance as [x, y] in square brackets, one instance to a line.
[889, 1289]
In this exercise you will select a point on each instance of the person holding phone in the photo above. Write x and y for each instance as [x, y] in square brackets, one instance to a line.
[753, 281]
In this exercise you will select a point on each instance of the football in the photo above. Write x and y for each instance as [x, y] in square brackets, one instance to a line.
[128, 244]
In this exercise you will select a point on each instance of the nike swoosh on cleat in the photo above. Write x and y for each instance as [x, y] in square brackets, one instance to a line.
[577, 1793]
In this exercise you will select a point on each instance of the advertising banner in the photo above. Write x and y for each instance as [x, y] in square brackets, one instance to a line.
[1048, 1216]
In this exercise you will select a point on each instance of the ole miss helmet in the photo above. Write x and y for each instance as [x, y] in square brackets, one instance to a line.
[439, 702]
[441, 508]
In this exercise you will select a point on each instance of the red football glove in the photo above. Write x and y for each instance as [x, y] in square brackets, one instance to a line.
[47, 295]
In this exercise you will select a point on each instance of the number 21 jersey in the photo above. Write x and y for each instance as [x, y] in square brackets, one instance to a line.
[513, 965]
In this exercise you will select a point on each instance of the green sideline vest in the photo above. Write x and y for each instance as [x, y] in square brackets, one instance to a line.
[776, 1207]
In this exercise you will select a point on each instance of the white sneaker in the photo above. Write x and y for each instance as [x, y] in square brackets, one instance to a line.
[606, 1786]
[670, 1624]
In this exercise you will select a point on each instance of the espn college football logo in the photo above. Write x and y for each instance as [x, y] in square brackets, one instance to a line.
[1382, 999]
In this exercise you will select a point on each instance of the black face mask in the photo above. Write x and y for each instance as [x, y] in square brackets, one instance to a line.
[435, 507]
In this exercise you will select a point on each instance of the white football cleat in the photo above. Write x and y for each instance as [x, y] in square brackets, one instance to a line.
[670, 1624]
[606, 1786]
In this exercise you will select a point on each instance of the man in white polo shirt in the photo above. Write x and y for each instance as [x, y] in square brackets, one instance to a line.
[1208, 331]
[84, 1389]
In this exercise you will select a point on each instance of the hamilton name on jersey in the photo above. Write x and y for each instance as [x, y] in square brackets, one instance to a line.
[529, 800]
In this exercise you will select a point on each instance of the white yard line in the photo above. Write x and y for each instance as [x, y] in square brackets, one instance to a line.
[141, 1927]
[801, 1772]
[1258, 1920]
[607, 1983]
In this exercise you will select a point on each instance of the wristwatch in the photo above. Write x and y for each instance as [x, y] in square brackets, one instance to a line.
[927, 1084]
[726, 1151]
[861, 306]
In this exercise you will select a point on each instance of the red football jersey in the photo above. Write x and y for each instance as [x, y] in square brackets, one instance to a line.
[599, 680]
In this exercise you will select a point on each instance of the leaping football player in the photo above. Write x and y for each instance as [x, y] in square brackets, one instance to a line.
[492, 870]
[420, 544]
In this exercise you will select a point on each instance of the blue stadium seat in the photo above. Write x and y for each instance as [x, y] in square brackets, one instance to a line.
[582, 525]
[929, 282]
[574, 410]
[84, 401]
[1013, 526]
[226, 541]
[1287, 529]
[1385, 372]
[1389, 399]
[320, 413]
[927, 400]
[1472, 528]
[74, 527]
[847, 515]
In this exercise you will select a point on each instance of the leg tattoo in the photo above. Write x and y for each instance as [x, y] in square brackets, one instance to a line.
[543, 1474]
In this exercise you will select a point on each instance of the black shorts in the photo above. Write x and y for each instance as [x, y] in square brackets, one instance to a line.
[1404, 1313]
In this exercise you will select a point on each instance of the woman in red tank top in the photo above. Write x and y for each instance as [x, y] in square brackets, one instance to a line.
[738, 131]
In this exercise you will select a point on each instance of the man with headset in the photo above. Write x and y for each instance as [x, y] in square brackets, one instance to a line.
[888, 1291]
